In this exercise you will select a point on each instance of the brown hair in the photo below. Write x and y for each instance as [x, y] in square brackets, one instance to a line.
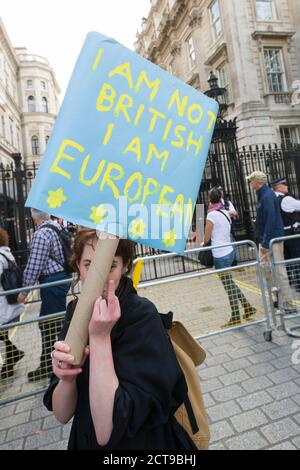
[126, 250]
[215, 195]
[4, 239]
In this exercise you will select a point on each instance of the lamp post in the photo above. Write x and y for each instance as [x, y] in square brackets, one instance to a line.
[225, 165]
[217, 93]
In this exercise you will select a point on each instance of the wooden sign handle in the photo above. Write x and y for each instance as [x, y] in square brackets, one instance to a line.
[77, 336]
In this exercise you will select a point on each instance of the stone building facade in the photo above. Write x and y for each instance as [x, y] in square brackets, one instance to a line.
[252, 46]
[28, 102]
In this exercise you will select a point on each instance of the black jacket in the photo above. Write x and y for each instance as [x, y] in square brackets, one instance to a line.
[151, 384]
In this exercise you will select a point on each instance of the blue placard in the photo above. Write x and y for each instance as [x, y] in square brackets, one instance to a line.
[128, 150]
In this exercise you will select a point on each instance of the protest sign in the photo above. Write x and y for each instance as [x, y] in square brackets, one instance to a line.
[128, 149]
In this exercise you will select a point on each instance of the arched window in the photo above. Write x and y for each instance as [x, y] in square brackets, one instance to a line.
[35, 145]
[44, 105]
[31, 104]
[47, 139]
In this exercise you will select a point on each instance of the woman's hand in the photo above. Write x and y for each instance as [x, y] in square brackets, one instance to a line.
[105, 314]
[62, 362]
[21, 298]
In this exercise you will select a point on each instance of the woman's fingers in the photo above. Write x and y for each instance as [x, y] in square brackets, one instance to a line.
[103, 307]
[111, 293]
[63, 357]
[106, 313]
[112, 301]
[62, 346]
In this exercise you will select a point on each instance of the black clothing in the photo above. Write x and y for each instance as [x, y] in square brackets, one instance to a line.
[151, 384]
[291, 252]
[289, 218]
[291, 247]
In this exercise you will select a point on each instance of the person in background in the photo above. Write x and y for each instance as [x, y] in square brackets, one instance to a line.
[8, 313]
[290, 213]
[125, 393]
[269, 225]
[228, 206]
[218, 231]
[46, 264]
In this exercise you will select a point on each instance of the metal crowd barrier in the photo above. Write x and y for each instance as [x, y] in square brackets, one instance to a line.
[202, 300]
[285, 293]
[21, 346]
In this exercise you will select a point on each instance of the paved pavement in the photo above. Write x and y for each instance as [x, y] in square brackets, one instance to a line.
[251, 389]
[200, 303]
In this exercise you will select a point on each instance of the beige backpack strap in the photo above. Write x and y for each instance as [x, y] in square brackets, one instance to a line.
[179, 335]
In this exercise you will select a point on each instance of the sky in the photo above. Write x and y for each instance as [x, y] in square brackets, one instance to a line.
[56, 29]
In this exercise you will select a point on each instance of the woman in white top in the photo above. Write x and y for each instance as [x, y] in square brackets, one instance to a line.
[8, 313]
[218, 230]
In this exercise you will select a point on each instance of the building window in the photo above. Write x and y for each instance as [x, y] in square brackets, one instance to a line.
[35, 145]
[47, 139]
[289, 136]
[191, 50]
[43, 85]
[3, 126]
[29, 84]
[31, 104]
[44, 105]
[224, 83]
[11, 133]
[18, 138]
[216, 19]
[265, 10]
[274, 70]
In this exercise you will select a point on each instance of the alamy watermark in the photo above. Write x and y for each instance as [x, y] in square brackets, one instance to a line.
[156, 222]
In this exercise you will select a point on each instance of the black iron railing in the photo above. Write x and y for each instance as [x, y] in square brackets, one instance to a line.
[227, 165]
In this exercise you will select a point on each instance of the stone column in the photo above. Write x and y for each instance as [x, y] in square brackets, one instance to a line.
[177, 62]
[195, 23]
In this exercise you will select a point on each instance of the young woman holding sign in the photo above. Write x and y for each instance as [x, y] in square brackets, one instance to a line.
[129, 385]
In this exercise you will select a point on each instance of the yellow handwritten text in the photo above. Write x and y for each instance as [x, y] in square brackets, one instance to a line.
[136, 187]
[177, 135]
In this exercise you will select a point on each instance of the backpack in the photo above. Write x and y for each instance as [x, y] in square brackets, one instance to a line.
[11, 278]
[191, 414]
[66, 239]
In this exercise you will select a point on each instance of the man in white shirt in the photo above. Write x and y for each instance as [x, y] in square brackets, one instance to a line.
[290, 213]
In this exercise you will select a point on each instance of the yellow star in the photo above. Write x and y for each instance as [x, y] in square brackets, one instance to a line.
[98, 214]
[137, 228]
[56, 198]
[169, 238]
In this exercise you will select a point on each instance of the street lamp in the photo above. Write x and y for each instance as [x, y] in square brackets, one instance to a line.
[217, 93]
